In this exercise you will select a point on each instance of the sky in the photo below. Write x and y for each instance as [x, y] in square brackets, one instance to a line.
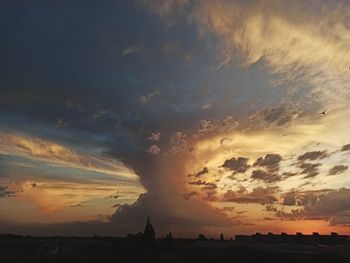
[207, 116]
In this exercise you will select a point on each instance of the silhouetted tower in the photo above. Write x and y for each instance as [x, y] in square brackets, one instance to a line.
[222, 237]
[149, 233]
[169, 238]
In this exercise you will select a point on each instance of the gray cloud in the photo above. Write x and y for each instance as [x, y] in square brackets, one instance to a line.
[209, 186]
[239, 165]
[310, 169]
[198, 182]
[289, 199]
[337, 169]
[154, 149]
[190, 214]
[225, 124]
[131, 49]
[155, 136]
[276, 116]
[311, 156]
[187, 196]
[148, 97]
[201, 172]
[345, 148]
[258, 195]
[270, 161]
[289, 174]
[178, 142]
[5, 192]
[265, 176]
[334, 206]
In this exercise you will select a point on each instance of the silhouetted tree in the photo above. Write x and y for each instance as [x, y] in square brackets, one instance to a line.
[149, 234]
[201, 237]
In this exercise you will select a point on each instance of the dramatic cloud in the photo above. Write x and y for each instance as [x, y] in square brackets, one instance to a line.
[239, 165]
[201, 172]
[346, 147]
[187, 196]
[258, 195]
[265, 176]
[311, 156]
[289, 199]
[169, 109]
[199, 182]
[5, 192]
[330, 205]
[271, 162]
[41, 149]
[206, 127]
[285, 37]
[178, 143]
[334, 206]
[337, 169]
[273, 116]
[310, 169]
[46, 193]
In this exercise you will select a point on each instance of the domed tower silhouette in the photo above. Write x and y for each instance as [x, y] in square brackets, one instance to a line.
[149, 233]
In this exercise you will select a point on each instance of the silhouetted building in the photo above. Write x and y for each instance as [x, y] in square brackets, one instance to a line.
[222, 237]
[149, 234]
[201, 237]
[169, 236]
[299, 238]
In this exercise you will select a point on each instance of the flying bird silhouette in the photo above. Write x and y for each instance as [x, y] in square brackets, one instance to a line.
[323, 113]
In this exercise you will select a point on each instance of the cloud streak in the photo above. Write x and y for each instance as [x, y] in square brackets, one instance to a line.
[57, 154]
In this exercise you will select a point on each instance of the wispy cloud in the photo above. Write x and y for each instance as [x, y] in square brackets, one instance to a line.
[131, 49]
[57, 154]
[148, 97]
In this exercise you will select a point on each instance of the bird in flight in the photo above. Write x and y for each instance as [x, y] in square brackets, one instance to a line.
[323, 113]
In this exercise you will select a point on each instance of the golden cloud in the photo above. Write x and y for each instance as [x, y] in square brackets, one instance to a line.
[57, 154]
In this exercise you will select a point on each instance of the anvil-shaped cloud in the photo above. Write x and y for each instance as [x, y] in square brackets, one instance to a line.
[214, 105]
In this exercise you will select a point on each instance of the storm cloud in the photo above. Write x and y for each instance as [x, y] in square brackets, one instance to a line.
[194, 88]
[270, 161]
[6, 192]
[237, 165]
[337, 169]
[311, 156]
[259, 195]
[265, 176]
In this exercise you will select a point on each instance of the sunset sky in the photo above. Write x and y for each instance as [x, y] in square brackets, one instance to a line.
[203, 115]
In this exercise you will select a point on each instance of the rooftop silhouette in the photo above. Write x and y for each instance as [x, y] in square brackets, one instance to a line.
[298, 238]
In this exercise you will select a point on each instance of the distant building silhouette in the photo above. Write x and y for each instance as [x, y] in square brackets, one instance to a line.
[298, 238]
[149, 234]
[201, 237]
[222, 237]
[169, 236]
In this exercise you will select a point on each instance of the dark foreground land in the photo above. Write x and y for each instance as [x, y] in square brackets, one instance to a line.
[107, 249]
